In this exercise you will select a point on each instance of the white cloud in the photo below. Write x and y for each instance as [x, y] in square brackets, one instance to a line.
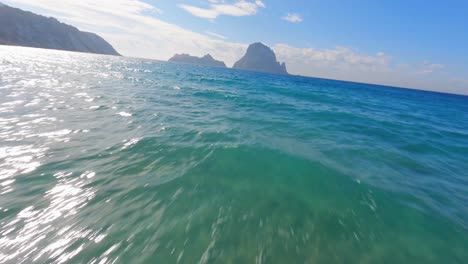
[346, 64]
[330, 63]
[260, 3]
[292, 17]
[218, 8]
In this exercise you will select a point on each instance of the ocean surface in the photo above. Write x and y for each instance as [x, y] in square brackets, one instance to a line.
[120, 160]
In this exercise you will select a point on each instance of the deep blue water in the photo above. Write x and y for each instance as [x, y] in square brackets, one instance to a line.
[137, 161]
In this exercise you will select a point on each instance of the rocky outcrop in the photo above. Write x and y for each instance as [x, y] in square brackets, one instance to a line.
[21, 28]
[206, 60]
[262, 59]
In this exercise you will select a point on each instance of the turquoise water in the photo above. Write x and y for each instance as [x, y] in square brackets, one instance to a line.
[135, 161]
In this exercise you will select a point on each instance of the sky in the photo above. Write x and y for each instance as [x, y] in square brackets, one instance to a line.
[421, 44]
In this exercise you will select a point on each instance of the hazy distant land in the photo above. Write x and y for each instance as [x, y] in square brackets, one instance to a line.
[259, 58]
[206, 60]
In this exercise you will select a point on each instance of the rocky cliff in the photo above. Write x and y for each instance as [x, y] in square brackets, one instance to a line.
[206, 60]
[260, 58]
[21, 28]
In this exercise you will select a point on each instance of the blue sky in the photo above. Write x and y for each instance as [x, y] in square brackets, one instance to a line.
[418, 44]
[413, 31]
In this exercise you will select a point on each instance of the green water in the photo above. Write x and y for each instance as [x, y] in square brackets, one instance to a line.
[133, 161]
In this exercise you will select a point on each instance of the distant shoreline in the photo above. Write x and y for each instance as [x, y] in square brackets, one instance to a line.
[230, 68]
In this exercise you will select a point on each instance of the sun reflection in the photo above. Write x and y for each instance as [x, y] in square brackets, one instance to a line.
[33, 101]
[15, 161]
[38, 226]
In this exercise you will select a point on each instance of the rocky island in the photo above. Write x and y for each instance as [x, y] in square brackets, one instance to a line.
[21, 28]
[261, 58]
[206, 60]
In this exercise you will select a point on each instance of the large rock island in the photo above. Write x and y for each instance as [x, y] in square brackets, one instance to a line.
[206, 60]
[262, 59]
[21, 28]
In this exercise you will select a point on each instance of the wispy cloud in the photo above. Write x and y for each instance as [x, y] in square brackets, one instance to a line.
[428, 67]
[292, 17]
[347, 64]
[216, 35]
[333, 60]
[218, 8]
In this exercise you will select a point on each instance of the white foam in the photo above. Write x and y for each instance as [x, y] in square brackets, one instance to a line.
[124, 114]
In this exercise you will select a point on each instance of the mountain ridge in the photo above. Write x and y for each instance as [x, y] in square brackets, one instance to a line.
[260, 58]
[27, 29]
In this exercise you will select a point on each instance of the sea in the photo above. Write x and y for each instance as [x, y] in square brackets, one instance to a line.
[121, 160]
